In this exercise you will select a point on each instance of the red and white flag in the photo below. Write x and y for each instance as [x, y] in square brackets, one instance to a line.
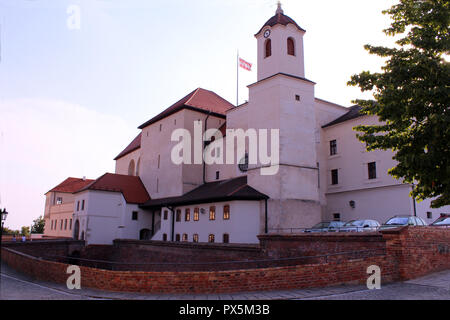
[245, 65]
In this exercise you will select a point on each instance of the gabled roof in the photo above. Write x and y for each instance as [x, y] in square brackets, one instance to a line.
[280, 18]
[225, 190]
[71, 185]
[353, 113]
[201, 100]
[134, 145]
[131, 187]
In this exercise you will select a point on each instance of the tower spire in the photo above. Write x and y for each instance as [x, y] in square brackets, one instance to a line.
[279, 9]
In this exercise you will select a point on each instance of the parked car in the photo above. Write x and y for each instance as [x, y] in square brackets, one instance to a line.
[326, 226]
[403, 220]
[442, 221]
[360, 226]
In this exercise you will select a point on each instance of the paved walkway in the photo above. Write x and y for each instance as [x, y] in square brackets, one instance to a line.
[16, 286]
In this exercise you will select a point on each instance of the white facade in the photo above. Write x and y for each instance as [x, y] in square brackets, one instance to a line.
[106, 216]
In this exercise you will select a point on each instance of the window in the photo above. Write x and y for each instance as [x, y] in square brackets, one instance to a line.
[268, 47]
[336, 216]
[177, 237]
[195, 238]
[226, 238]
[59, 200]
[290, 47]
[52, 225]
[131, 168]
[334, 177]
[211, 238]
[159, 160]
[212, 213]
[372, 168]
[217, 175]
[429, 215]
[82, 205]
[185, 237]
[178, 215]
[134, 215]
[70, 224]
[333, 147]
[61, 225]
[196, 215]
[78, 206]
[297, 97]
[65, 224]
[160, 127]
[165, 237]
[226, 212]
[187, 215]
[165, 215]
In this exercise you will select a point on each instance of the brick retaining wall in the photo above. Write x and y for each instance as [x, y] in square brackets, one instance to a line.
[410, 252]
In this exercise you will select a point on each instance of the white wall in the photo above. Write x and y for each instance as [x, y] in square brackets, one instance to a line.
[107, 216]
[242, 227]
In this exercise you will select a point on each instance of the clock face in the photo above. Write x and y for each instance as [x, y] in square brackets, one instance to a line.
[267, 34]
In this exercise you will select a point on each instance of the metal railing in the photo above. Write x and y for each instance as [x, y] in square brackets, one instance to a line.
[322, 230]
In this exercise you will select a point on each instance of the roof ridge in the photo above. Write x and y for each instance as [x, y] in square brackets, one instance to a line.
[192, 95]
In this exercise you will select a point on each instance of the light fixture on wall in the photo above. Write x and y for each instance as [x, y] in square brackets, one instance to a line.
[352, 204]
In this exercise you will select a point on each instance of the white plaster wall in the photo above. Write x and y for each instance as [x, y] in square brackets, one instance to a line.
[123, 163]
[378, 204]
[107, 216]
[242, 227]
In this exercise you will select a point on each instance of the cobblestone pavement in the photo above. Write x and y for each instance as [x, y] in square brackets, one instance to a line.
[16, 286]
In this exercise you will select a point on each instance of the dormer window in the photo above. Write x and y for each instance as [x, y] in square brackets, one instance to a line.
[268, 48]
[290, 47]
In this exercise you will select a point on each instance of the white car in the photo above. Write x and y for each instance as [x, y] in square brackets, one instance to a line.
[360, 226]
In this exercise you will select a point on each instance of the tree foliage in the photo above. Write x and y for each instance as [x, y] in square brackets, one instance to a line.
[411, 98]
[38, 225]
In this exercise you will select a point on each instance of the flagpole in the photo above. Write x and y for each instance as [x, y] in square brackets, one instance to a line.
[237, 79]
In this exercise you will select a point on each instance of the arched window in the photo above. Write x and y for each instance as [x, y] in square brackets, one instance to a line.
[195, 238]
[226, 212]
[268, 48]
[76, 232]
[185, 237]
[290, 47]
[211, 238]
[177, 237]
[131, 168]
[165, 237]
[226, 238]
[138, 167]
[144, 234]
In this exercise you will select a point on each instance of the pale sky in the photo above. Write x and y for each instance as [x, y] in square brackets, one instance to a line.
[72, 99]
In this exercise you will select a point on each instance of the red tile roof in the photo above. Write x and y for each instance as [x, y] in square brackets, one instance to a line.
[199, 100]
[280, 18]
[131, 187]
[134, 145]
[71, 185]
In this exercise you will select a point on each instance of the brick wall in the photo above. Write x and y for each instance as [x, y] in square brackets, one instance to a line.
[410, 252]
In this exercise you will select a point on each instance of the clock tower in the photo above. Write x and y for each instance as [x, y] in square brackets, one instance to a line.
[280, 47]
[283, 100]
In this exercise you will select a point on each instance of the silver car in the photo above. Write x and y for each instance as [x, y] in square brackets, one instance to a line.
[400, 221]
[360, 226]
[327, 226]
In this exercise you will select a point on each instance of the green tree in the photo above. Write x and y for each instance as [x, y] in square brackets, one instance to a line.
[38, 225]
[25, 231]
[411, 98]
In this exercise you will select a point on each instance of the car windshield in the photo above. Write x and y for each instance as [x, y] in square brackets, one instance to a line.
[442, 221]
[398, 221]
[354, 223]
[321, 225]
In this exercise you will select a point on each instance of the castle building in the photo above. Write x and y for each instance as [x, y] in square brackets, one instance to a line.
[322, 171]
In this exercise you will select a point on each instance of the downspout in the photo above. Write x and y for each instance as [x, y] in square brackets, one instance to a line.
[266, 217]
[414, 203]
[204, 147]
[173, 223]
